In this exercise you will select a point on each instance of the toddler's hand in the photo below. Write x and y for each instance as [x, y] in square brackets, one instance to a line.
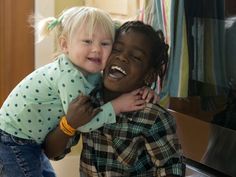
[149, 95]
[128, 102]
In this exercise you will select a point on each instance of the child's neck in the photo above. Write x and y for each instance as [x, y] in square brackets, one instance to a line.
[109, 95]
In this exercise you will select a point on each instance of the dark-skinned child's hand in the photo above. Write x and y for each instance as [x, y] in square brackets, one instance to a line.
[81, 111]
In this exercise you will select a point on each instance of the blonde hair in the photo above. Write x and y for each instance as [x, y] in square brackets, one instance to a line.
[72, 19]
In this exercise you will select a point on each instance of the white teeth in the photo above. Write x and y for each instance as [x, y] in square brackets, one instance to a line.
[119, 69]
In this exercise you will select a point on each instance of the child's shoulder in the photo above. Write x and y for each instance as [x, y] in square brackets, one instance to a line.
[155, 109]
[155, 112]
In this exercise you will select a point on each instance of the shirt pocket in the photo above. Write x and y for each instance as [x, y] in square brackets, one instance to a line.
[126, 150]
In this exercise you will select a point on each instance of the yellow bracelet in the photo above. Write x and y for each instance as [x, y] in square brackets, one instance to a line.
[66, 128]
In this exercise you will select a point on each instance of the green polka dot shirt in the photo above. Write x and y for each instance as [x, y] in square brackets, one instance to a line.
[36, 105]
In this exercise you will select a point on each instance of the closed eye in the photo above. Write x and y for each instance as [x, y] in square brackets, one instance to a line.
[87, 41]
[137, 55]
[106, 43]
[136, 58]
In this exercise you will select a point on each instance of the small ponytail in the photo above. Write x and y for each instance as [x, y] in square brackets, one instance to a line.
[42, 29]
[43, 26]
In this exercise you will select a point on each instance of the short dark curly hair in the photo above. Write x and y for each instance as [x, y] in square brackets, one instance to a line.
[159, 51]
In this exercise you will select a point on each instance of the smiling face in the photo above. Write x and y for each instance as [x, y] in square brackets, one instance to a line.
[88, 52]
[129, 62]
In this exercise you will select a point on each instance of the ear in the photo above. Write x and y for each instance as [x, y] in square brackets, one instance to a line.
[150, 77]
[63, 44]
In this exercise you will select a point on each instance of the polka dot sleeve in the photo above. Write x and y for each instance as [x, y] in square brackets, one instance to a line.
[71, 84]
[69, 88]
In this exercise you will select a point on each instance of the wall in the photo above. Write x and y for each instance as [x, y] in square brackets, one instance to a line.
[45, 48]
[62, 4]
[121, 10]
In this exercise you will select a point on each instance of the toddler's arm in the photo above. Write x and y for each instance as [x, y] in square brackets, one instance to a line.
[128, 102]
[134, 100]
[96, 117]
[106, 114]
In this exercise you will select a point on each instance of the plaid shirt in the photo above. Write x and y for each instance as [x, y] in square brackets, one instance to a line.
[140, 144]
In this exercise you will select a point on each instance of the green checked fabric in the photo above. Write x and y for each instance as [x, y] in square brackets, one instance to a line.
[139, 144]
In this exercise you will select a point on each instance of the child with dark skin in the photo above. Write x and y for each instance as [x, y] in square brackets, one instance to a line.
[141, 143]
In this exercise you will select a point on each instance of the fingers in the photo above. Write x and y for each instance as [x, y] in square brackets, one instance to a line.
[96, 111]
[156, 99]
[150, 95]
[81, 99]
[145, 93]
[137, 97]
[135, 92]
[138, 107]
[139, 102]
[78, 97]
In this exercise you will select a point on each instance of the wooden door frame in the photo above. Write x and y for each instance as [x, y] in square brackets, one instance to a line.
[16, 44]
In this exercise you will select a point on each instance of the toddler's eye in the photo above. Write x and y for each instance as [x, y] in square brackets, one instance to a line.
[87, 41]
[105, 43]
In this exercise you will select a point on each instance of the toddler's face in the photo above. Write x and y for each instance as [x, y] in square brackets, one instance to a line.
[90, 51]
